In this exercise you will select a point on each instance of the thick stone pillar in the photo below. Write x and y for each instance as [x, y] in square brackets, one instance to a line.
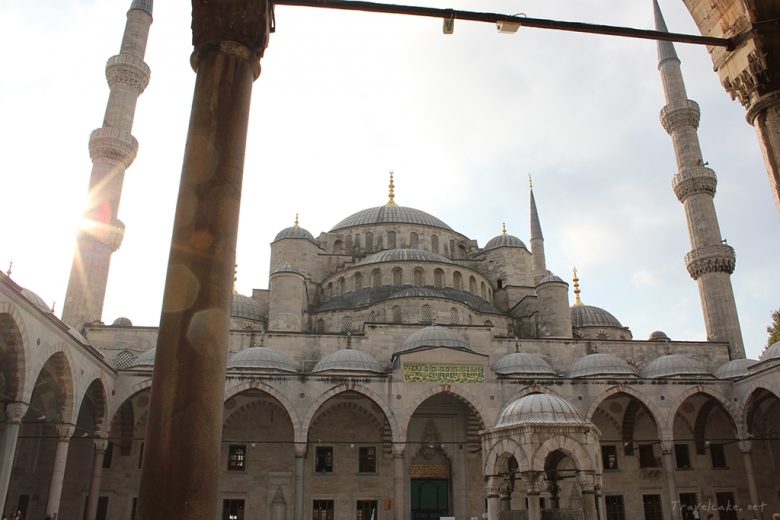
[764, 115]
[101, 444]
[14, 413]
[532, 493]
[747, 457]
[64, 433]
[589, 503]
[181, 465]
[300, 468]
[673, 511]
[399, 481]
[505, 495]
[492, 494]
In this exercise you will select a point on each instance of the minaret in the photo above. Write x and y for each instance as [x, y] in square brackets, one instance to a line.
[710, 261]
[538, 262]
[112, 149]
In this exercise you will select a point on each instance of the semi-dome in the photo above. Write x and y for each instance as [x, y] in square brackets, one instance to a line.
[771, 352]
[594, 365]
[403, 255]
[673, 365]
[244, 307]
[348, 360]
[552, 278]
[523, 363]
[146, 359]
[658, 335]
[539, 409]
[734, 368]
[390, 214]
[434, 336]
[260, 358]
[36, 300]
[590, 316]
[295, 231]
[504, 240]
[122, 322]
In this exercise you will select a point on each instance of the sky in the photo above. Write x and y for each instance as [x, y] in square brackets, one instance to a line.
[461, 119]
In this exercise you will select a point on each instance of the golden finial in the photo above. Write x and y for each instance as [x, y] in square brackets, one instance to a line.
[10, 266]
[296, 220]
[391, 195]
[530, 182]
[577, 301]
[235, 278]
[503, 228]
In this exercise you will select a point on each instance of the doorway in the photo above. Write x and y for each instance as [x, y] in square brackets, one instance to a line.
[430, 498]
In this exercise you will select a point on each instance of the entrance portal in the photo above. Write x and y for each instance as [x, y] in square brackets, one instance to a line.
[430, 498]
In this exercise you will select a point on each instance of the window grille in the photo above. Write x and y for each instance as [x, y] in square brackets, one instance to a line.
[418, 277]
[426, 316]
[414, 240]
[438, 278]
[398, 277]
[397, 314]
[457, 280]
[454, 317]
[434, 244]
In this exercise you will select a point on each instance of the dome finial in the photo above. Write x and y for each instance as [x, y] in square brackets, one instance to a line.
[517, 345]
[391, 194]
[530, 182]
[235, 278]
[577, 301]
[10, 266]
[296, 220]
[503, 228]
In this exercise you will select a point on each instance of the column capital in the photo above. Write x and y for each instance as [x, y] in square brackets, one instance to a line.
[399, 450]
[492, 486]
[300, 449]
[14, 412]
[64, 431]
[745, 446]
[101, 441]
[762, 103]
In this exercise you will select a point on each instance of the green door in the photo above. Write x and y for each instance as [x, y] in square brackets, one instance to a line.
[430, 498]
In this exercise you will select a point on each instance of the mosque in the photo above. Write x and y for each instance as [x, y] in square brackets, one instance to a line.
[397, 369]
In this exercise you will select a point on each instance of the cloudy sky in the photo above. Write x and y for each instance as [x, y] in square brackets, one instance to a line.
[344, 97]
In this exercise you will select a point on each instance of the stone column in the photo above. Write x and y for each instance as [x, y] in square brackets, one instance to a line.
[673, 511]
[64, 433]
[492, 493]
[764, 115]
[300, 468]
[505, 495]
[14, 413]
[181, 466]
[399, 481]
[101, 444]
[534, 507]
[747, 457]
[589, 503]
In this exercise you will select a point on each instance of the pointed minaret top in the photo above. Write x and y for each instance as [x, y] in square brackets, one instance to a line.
[665, 49]
[391, 194]
[577, 301]
[143, 5]
[536, 227]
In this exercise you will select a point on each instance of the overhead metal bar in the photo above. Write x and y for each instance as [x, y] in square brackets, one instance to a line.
[523, 21]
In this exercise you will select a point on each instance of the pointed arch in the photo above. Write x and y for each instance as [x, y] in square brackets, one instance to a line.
[236, 388]
[467, 398]
[61, 367]
[609, 392]
[728, 408]
[500, 452]
[13, 351]
[97, 393]
[753, 398]
[570, 447]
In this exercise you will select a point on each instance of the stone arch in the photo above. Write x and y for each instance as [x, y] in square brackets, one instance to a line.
[728, 408]
[130, 392]
[62, 371]
[13, 358]
[123, 417]
[500, 452]
[753, 398]
[96, 392]
[568, 446]
[301, 435]
[467, 398]
[242, 386]
[655, 413]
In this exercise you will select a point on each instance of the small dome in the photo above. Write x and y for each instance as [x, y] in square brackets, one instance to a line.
[523, 363]
[539, 409]
[295, 232]
[122, 322]
[261, 358]
[285, 268]
[594, 365]
[146, 359]
[349, 360]
[771, 352]
[734, 368]
[658, 335]
[552, 278]
[244, 307]
[434, 336]
[36, 300]
[590, 316]
[504, 240]
[390, 215]
[673, 365]
[403, 255]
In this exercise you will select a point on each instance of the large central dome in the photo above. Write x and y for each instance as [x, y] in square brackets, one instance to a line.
[390, 214]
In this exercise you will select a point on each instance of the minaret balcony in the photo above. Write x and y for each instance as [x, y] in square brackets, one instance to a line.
[676, 115]
[710, 259]
[113, 143]
[694, 180]
[127, 69]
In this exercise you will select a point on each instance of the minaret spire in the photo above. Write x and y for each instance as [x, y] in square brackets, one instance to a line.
[710, 261]
[538, 260]
[112, 149]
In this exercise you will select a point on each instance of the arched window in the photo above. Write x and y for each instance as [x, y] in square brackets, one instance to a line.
[338, 247]
[488, 323]
[329, 291]
[369, 241]
[348, 243]
[483, 291]
[320, 328]
[357, 281]
[454, 316]
[341, 287]
[414, 240]
[500, 283]
[452, 249]
[391, 240]
[397, 317]
[371, 317]
[398, 277]
[419, 279]
[438, 278]
[357, 241]
[376, 279]
[457, 280]
[346, 324]
[434, 243]
[472, 285]
[426, 316]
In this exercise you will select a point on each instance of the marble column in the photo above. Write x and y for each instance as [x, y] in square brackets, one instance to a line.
[532, 493]
[492, 494]
[589, 503]
[673, 511]
[300, 468]
[399, 481]
[101, 444]
[64, 433]
[14, 413]
[747, 457]
[764, 114]
[181, 465]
